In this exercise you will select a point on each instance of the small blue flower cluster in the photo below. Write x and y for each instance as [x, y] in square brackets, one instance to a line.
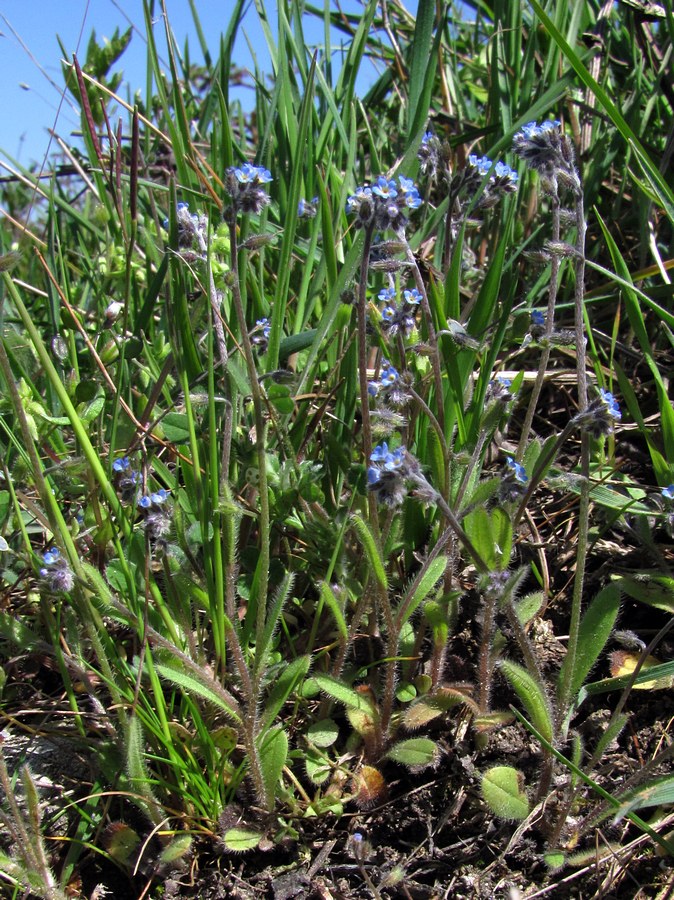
[155, 500]
[156, 516]
[517, 470]
[387, 474]
[612, 406]
[126, 478]
[539, 145]
[190, 225]
[667, 495]
[57, 574]
[384, 204]
[245, 186]
[601, 415]
[399, 316]
[390, 391]
[533, 131]
[498, 390]
[428, 155]
[502, 179]
[513, 482]
[434, 159]
[306, 209]
[259, 336]
[393, 473]
[387, 379]
[547, 149]
[536, 327]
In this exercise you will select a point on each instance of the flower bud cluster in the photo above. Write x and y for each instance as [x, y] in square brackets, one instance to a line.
[434, 159]
[245, 186]
[514, 482]
[156, 515]
[307, 209]
[429, 155]
[600, 416]
[387, 474]
[259, 336]
[667, 495]
[384, 205]
[190, 226]
[399, 315]
[498, 391]
[549, 151]
[502, 180]
[390, 389]
[393, 474]
[125, 479]
[57, 575]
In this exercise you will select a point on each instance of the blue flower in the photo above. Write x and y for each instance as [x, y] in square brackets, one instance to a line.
[483, 164]
[361, 203]
[498, 390]
[387, 294]
[125, 478]
[533, 130]
[503, 171]
[612, 406]
[154, 500]
[50, 557]
[264, 325]
[668, 492]
[410, 192]
[385, 188]
[517, 471]
[121, 464]
[379, 453]
[428, 154]
[190, 225]
[537, 317]
[249, 174]
[389, 375]
[412, 297]
[513, 483]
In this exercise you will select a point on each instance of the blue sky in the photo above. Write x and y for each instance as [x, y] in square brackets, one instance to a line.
[30, 71]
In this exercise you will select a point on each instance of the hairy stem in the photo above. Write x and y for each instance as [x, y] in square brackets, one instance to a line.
[584, 505]
[260, 439]
[549, 326]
